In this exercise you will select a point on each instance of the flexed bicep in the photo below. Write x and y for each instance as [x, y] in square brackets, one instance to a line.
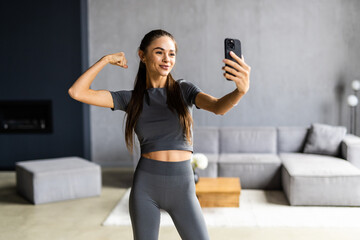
[101, 98]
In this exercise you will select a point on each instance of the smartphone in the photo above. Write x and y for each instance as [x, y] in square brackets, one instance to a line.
[232, 44]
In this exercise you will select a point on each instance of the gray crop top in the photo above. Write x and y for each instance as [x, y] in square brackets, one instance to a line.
[158, 128]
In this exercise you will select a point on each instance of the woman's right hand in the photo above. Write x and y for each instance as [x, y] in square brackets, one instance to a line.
[117, 59]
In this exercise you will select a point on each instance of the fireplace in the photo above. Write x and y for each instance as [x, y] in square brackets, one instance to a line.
[26, 116]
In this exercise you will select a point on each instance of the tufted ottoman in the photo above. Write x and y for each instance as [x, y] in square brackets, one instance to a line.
[57, 179]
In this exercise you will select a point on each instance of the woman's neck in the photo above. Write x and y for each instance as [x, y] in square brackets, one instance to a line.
[155, 81]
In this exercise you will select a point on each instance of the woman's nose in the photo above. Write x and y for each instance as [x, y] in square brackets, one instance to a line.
[166, 58]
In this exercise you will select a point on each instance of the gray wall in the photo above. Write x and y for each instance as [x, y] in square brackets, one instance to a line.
[303, 55]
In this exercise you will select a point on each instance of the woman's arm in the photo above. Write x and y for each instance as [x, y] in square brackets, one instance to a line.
[81, 91]
[241, 72]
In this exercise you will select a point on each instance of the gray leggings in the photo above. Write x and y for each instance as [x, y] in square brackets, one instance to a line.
[169, 186]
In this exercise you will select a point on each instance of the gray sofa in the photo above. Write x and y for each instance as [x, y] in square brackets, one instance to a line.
[273, 158]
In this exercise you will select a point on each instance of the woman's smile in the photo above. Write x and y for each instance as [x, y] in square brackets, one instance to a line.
[166, 67]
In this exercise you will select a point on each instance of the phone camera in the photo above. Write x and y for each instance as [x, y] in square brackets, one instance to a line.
[231, 43]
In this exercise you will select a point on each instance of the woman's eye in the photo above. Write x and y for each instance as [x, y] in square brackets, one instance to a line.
[171, 54]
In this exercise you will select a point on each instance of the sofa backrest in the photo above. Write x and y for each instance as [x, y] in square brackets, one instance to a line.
[217, 140]
[291, 139]
[248, 140]
[206, 140]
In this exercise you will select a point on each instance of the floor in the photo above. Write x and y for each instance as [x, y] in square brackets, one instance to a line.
[81, 219]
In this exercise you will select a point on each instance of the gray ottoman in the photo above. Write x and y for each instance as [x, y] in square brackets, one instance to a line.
[57, 179]
[320, 180]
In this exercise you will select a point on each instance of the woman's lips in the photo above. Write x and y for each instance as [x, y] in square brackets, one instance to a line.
[164, 67]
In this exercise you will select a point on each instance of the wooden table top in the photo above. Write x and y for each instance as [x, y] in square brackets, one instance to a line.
[218, 185]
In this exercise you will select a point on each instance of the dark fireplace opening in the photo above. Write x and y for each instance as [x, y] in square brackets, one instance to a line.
[26, 116]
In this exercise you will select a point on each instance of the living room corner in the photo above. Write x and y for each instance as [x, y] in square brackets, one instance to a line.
[284, 163]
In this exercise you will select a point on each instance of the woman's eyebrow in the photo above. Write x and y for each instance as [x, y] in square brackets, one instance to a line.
[171, 50]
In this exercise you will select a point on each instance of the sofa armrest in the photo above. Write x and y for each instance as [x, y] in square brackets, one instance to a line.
[350, 149]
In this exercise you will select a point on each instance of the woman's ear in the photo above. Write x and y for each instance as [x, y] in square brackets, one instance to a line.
[141, 55]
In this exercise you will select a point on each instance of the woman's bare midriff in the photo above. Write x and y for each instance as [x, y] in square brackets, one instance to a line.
[169, 155]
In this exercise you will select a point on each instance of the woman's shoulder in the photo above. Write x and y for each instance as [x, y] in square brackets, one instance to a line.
[121, 99]
[186, 85]
[189, 90]
[123, 92]
[125, 95]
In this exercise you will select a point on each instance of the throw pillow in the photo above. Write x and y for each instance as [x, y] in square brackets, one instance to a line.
[324, 139]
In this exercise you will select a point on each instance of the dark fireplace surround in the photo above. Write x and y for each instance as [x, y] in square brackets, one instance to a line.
[26, 116]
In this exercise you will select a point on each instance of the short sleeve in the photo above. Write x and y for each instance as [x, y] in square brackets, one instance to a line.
[189, 91]
[121, 99]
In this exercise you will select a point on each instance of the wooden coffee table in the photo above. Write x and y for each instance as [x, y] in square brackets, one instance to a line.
[218, 192]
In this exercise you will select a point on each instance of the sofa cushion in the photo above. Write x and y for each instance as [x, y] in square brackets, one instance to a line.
[324, 139]
[206, 140]
[291, 139]
[309, 179]
[350, 148]
[247, 140]
[241, 158]
[299, 164]
[256, 171]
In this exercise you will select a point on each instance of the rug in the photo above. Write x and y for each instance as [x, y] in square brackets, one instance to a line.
[258, 208]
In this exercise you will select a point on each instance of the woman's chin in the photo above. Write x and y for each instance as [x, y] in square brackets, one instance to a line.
[164, 73]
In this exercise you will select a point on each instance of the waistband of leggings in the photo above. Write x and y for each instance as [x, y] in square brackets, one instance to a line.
[165, 168]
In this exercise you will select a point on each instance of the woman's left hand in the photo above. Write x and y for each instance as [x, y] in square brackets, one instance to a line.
[240, 70]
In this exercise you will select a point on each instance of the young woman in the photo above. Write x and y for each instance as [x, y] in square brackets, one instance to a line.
[159, 111]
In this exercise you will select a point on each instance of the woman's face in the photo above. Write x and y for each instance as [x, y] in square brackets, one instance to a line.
[160, 56]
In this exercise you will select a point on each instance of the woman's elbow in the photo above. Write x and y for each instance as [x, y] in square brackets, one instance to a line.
[221, 110]
[211, 105]
[72, 93]
[220, 113]
[216, 109]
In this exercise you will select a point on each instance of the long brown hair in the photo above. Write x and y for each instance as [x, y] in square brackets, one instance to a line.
[175, 99]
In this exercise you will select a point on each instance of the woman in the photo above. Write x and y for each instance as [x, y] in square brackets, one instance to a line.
[159, 110]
